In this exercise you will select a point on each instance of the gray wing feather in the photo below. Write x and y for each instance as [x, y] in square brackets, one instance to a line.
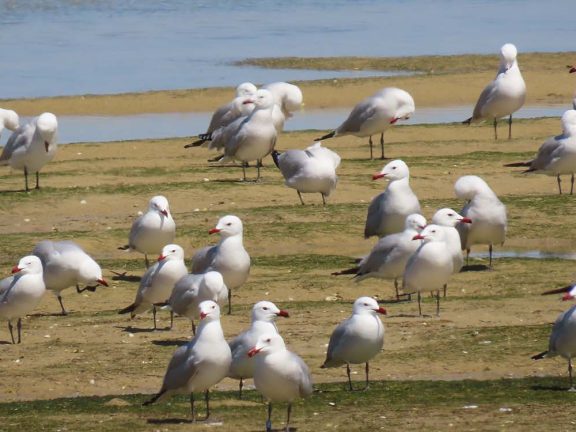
[546, 153]
[19, 138]
[304, 377]
[484, 99]
[360, 114]
[202, 259]
[379, 253]
[180, 369]
[336, 338]
[292, 161]
[374, 216]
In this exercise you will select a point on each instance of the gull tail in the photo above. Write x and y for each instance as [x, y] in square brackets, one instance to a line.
[330, 135]
[353, 270]
[467, 121]
[275, 155]
[124, 248]
[154, 398]
[540, 356]
[130, 308]
[197, 143]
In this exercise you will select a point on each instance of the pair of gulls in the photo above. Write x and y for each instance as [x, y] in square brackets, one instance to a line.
[31, 146]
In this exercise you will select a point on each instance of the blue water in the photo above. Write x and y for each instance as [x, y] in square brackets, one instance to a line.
[62, 47]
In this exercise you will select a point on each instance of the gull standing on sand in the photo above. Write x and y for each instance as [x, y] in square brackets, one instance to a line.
[375, 114]
[9, 120]
[248, 138]
[557, 155]
[431, 266]
[32, 146]
[153, 230]
[358, 338]
[488, 215]
[193, 289]
[389, 256]
[503, 96]
[65, 264]
[264, 314]
[158, 281]
[563, 339]
[201, 363]
[21, 293]
[279, 374]
[228, 257]
[388, 211]
[229, 112]
[309, 171]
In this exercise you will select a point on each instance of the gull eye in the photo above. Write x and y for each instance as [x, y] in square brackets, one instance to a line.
[268, 340]
[229, 223]
[393, 167]
[450, 214]
[265, 308]
[366, 304]
[213, 307]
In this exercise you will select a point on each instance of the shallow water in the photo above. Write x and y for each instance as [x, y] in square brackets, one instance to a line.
[531, 254]
[63, 47]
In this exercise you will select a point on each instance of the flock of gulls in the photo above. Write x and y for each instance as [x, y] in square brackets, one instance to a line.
[419, 256]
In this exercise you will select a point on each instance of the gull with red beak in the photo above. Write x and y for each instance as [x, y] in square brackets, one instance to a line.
[21, 293]
[357, 339]
[201, 363]
[65, 264]
[228, 257]
[157, 283]
[193, 289]
[388, 211]
[153, 230]
[280, 375]
[485, 210]
[431, 266]
[563, 338]
[504, 95]
[264, 314]
[375, 114]
[389, 256]
[32, 146]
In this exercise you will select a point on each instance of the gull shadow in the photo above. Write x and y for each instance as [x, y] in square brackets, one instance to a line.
[130, 329]
[170, 421]
[170, 342]
[474, 268]
[549, 388]
[50, 314]
[6, 343]
[125, 277]
[411, 316]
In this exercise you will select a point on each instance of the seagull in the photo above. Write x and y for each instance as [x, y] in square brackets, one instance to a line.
[503, 96]
[247, 138]
[153, 230]
[264, 314]
[358, 338]
[32, 146]
[431, 265]
[279, 374]
[65, 264]
[227, 257]
[21, 293]
[9, 120]
[448, 219]
[229, 112]
[309, 171]
[201, 363]
[287, 96]
[158, 281]
[387, 211]
[563, 340]
[375, 114]
[389, 256]
[192, 289]
[557, 155]
[486, 211]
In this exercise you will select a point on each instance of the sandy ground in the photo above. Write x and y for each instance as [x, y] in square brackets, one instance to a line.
[491, 322]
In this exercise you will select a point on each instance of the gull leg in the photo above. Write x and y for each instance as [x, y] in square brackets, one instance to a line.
[243, 172]
[572, 184]
[496, 129]
[559, 184]
[300, 196]
[146, 260]
[289, 410]
[207, 400]
[349, 379]
[240, 388]
[193, 328]
[323, 199]
[26, 179]
[229, 302]
[171, 319]
[61, 305]
[571, 389]
[510, 127]
[367, 369]
[396, 288]
[445, 289]
[419, 305]
[382, 145]
[11, 332]
[192, 411]
[154, 316]
[467, 257]
[19, 327]
[438, 303]
[258, 165]
[269, 420]
[369, 141]
[37, 180]
[490, 254]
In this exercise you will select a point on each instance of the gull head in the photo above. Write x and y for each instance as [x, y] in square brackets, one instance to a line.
[449, 218]
[46, 126]
[267, 343]
[209, 310]
[430, 233]
[228, 226]
[263, 99]
[394, 170]
[159, 204]
[415, 222]
[30, 264]
[9, 119]
[508, 54]
[367, 305]
[467, 187]
[171, 252]
[246, 89]
[267, 311]
[90, 272]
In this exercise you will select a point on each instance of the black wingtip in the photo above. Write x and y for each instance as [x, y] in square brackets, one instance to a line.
[275, 155]
[196, 143]
[153, 399]
[539, 356]
[517, 164]
[125, 247]
[353, 270]
[127, 309]
[327, 136]
[558, 290]
[467, 121]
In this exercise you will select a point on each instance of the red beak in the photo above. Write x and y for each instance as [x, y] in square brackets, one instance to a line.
[572, 69]
[161, 257]
[381, 311]
[418, 237]
[253, 352]
[15, 269]
[164, 212]
[567, 297]
[46, 145]
[247, 101]
[102, 282]
[377, 176]
[394, 120]
[214, 231]
[203, 315]
[466, 220]
[283, 313]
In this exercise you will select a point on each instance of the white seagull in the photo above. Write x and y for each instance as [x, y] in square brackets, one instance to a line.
[248, 138]
[229, 112]
[431, 266]
[388, 258]
[228, 257]
[21, 293]
[201, 363]
[264, 314]
[158, 281]
[375, 114]
[563, 339]
[357, 339]
[287, 96]
[9, 119]
[279, 374]
[503, 96]
[388, 211]
[488, 214]
[65, 265]
[32, 146]
[193, 289]
[309, 171]
[153, 230]
[557, 155]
